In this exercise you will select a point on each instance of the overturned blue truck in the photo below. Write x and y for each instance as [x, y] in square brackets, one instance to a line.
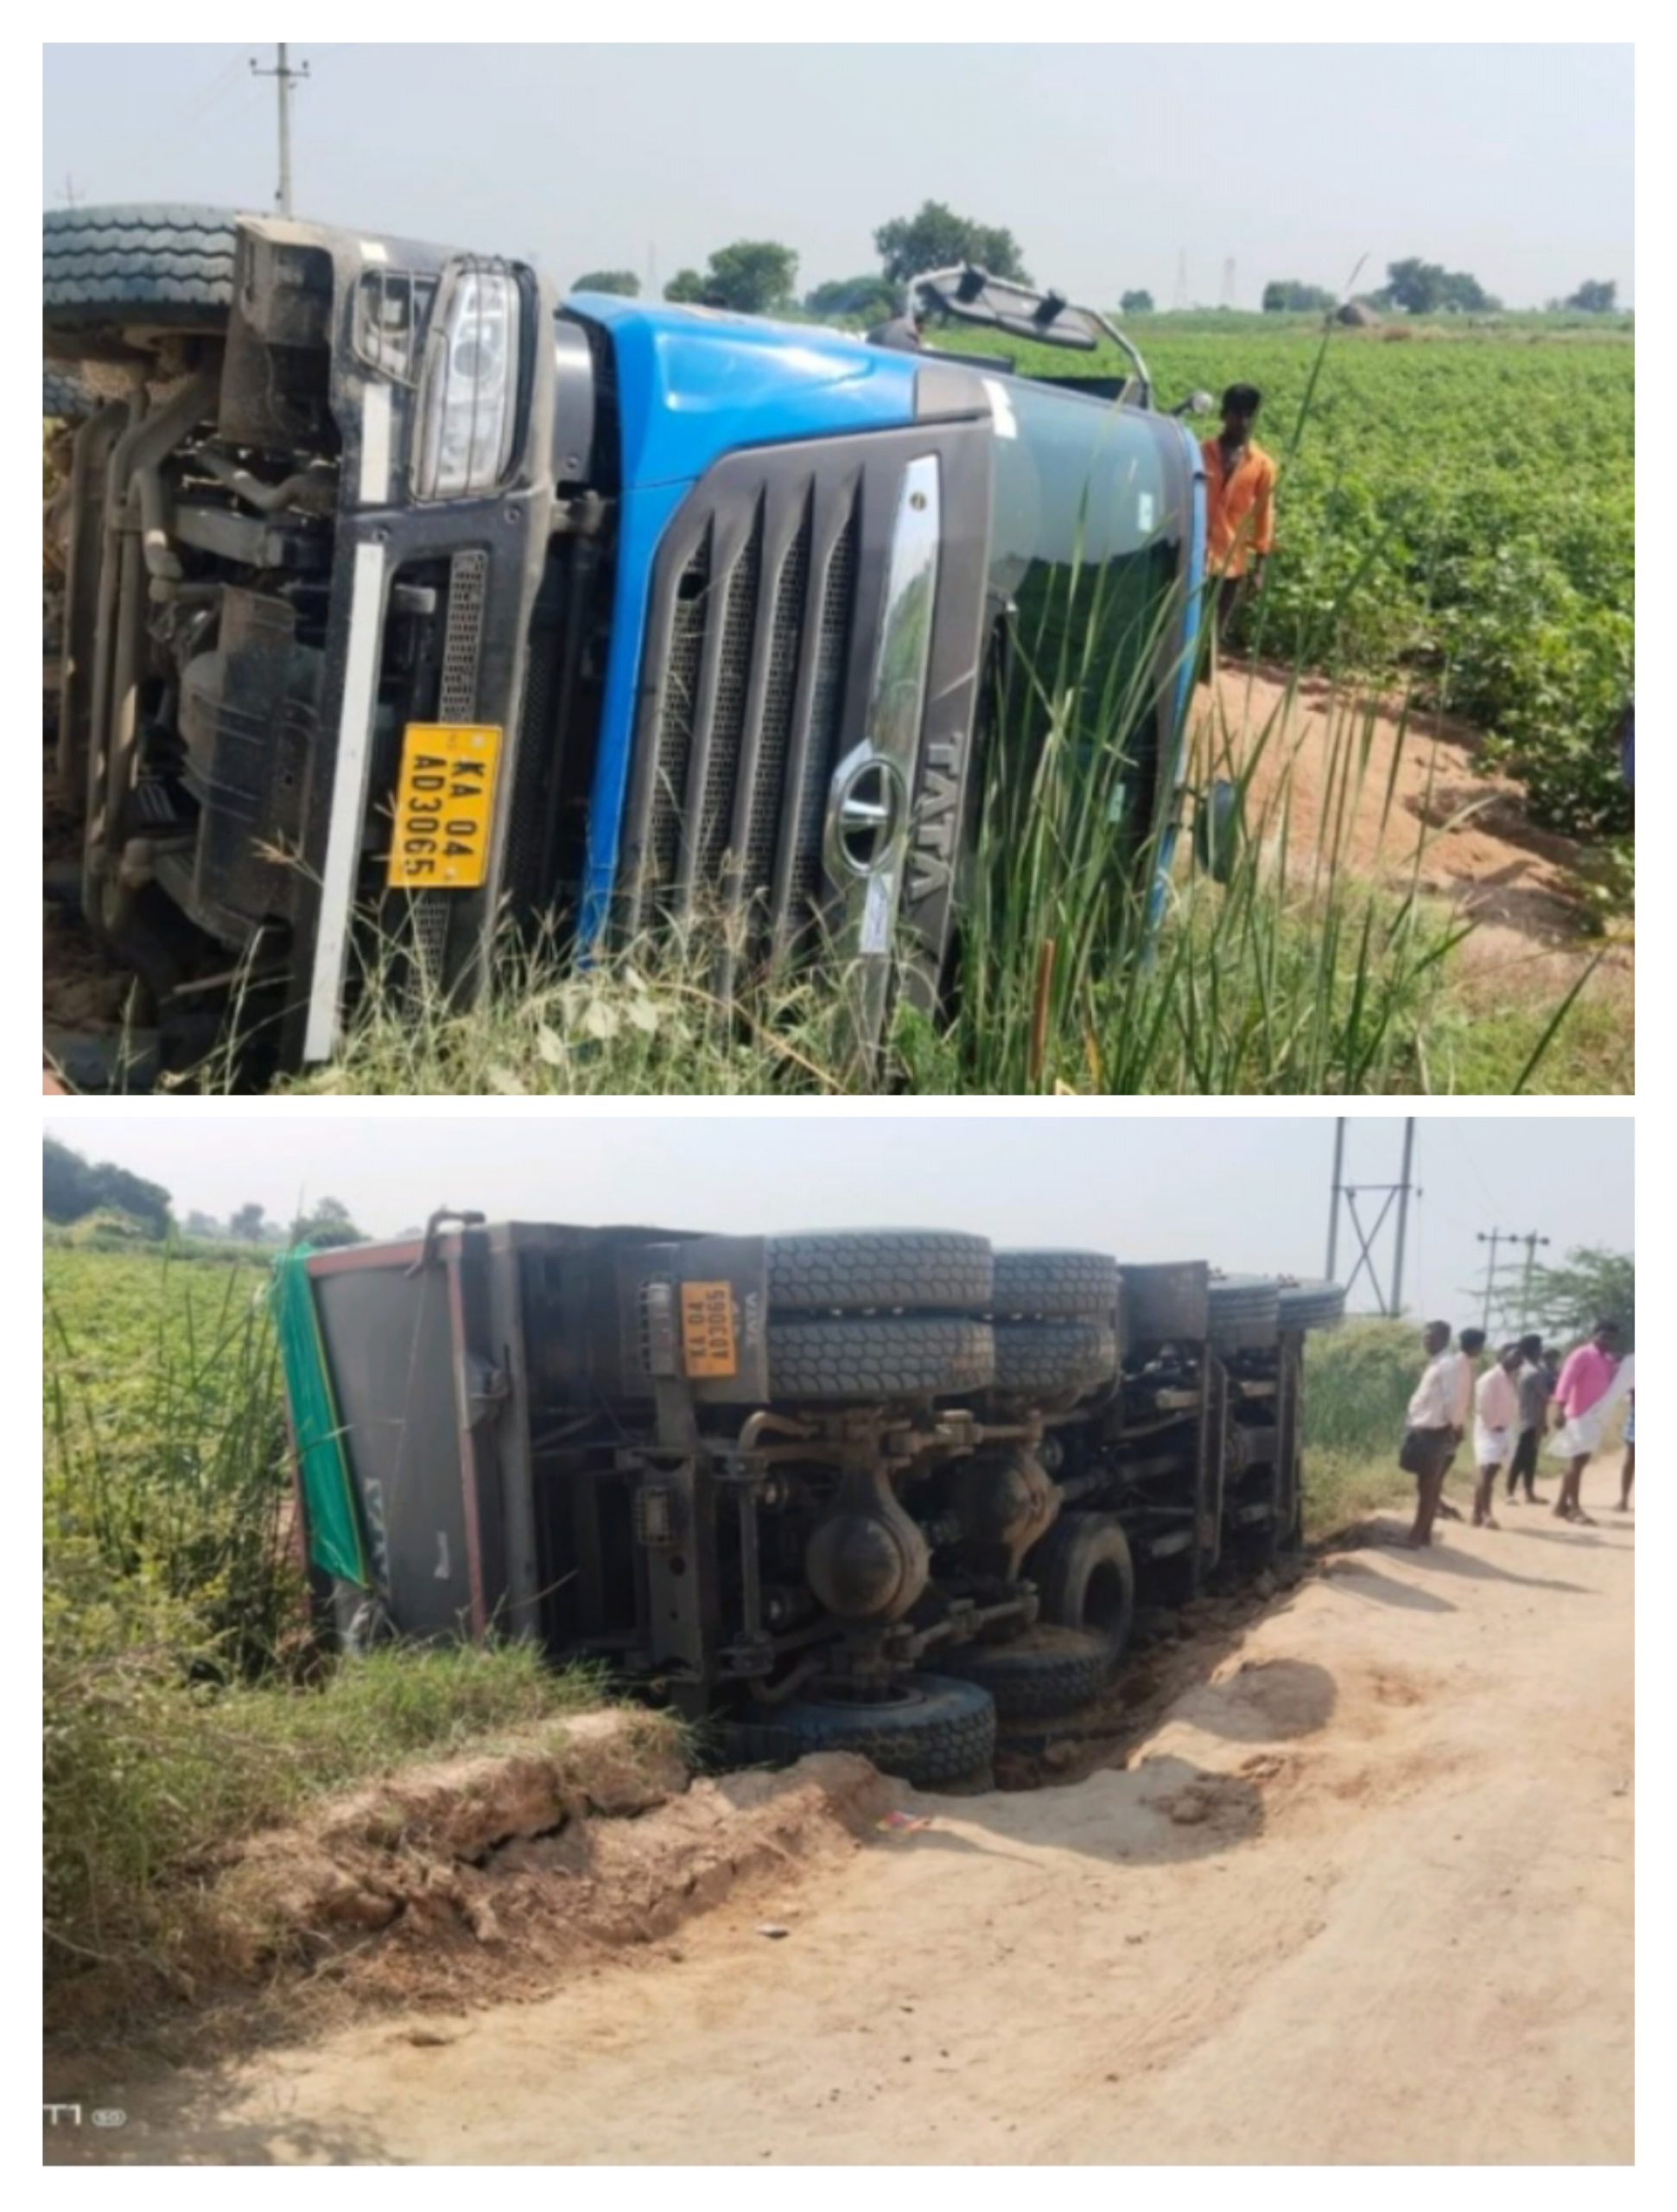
[883, 1491]
[409, 602]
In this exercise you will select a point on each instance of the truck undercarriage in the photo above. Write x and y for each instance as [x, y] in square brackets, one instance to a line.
[874, 1489]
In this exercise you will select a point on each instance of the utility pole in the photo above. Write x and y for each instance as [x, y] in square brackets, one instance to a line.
[1180, 297]
[1493, 1237]
[1389, 1299]
[1403, 1213]
[284, 77]
[1333, 1200]
[1531, 1241]
[71, 197]
[1228, 300]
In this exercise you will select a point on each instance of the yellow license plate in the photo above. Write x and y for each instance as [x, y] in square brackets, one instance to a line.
[708, 1329]
[445, 802]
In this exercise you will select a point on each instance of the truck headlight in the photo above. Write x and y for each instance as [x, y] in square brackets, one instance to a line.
[468, 397]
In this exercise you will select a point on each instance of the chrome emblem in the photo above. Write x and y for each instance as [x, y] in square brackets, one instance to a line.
[868, 810]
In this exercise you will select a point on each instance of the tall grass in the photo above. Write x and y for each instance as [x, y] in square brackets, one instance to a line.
[1293, 975]
[176, 1720]
[1358, 1380]
[178, 1479]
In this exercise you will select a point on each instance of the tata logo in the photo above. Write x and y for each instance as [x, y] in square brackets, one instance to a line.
[937, 820]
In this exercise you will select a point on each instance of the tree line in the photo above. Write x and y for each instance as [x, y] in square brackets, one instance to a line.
[759, 277]
[111, 1201]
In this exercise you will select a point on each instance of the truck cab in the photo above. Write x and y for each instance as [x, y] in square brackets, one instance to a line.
[405, 595]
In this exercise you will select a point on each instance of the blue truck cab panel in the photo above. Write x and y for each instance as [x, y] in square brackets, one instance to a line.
[1057, 485]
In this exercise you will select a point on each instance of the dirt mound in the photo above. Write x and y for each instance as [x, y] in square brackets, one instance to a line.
[486, 1877]
[1404, 796]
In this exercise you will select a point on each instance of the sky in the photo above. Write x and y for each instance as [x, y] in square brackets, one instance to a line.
[1115, 166]
[1247, 1193]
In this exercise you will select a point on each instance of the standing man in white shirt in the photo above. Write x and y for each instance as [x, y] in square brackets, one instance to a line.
[1495, 1423]
[1463, 1378]
[1432, 1430]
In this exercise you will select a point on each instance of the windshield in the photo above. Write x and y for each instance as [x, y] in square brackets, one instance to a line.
[1088, 531]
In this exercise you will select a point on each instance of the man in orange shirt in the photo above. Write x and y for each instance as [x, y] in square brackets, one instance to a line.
[1240, 505]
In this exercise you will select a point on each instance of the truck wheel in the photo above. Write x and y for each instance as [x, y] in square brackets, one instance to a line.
[927, 1731]
[1085, 1578]
[904, 1357]
[1053, 1286]
[1053, 1358]
[847, 1271]
[1311, 1305]
[1245, 1313]
[1048, 1669]
[156, 268]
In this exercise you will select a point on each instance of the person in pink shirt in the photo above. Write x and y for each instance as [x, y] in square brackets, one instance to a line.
[1581, 1403]
[1495, 1424]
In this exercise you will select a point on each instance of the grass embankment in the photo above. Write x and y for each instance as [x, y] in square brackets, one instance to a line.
[183, 1708]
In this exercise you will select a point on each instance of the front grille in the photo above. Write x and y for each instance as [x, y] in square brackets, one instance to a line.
[748, 644]
[429, 912]
[462, 632]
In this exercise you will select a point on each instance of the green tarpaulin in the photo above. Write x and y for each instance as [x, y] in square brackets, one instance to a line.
[334, 1528]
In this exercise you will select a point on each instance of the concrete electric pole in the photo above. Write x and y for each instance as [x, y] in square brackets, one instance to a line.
[1531, 1241]
[284, 77]
[1493, 1237]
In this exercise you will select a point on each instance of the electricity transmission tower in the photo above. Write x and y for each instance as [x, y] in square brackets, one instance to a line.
[1228, 300]
[284, 77]
[1180, 297]
[1388, 1296]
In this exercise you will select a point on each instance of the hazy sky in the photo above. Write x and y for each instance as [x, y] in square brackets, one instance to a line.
[1246, 1194]
[1107, 162]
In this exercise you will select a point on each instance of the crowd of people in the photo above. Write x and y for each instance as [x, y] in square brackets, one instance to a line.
[1506, 1403]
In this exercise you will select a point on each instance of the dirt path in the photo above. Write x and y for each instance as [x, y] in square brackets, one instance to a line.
[1364, 1895]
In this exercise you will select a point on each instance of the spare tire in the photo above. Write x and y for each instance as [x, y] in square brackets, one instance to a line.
[162, 267]
[928, 1730]
[1085, 1578]
[1053, 1359]
[847, 1271]
[902, 1356]
[1047, 1669]
[1313, 1305]
[1245, 1313]
[1053, 1286]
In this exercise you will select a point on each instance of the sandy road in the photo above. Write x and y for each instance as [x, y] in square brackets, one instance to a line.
[1365, 1895]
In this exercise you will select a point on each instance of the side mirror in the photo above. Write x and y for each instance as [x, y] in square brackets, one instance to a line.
[1196, 403]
